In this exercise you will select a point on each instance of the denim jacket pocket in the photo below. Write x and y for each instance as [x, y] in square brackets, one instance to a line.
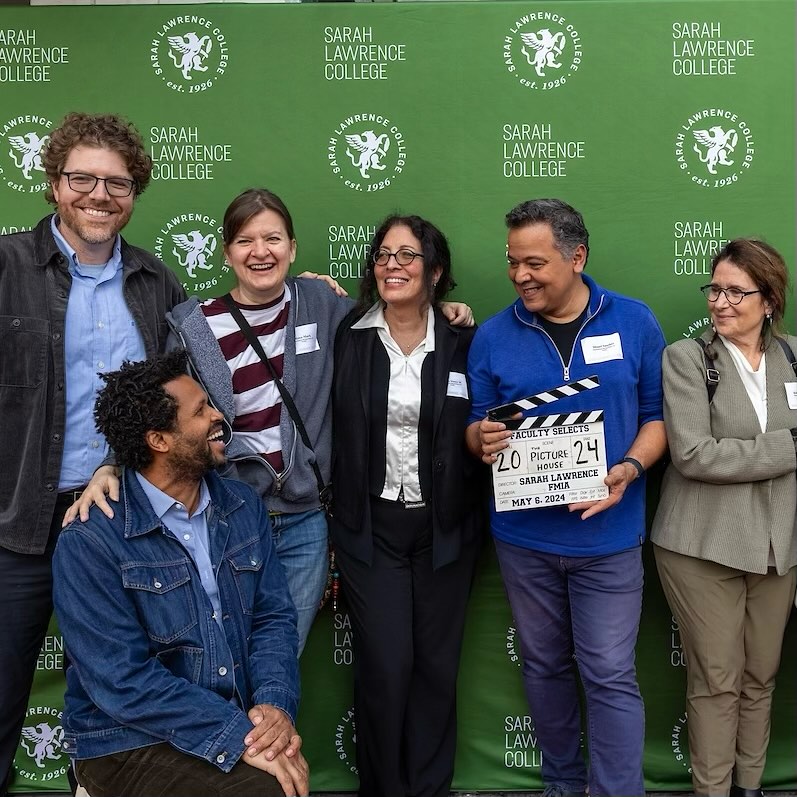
[246, 565]
[184, 661]
[164, 597]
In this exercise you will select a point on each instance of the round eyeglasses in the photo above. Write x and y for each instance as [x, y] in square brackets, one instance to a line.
[733, 295]
[403, 257]
[85, 183]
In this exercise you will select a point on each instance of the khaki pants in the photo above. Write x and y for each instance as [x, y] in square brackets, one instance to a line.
[732, 625]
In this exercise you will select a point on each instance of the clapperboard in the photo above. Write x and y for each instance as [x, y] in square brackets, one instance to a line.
[552, 459]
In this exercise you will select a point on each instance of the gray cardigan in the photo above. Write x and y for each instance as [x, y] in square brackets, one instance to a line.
[308, 377]
[730, 489]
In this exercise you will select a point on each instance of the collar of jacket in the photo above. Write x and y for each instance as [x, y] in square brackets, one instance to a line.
[46, 250]
[140, 517]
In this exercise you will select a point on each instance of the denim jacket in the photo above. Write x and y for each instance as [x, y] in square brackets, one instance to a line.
[149, 663]
[34, 290]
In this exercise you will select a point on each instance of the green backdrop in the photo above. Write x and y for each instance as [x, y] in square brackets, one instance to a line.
[669, 124]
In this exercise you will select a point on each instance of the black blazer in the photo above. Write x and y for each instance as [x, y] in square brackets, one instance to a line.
[458, 498]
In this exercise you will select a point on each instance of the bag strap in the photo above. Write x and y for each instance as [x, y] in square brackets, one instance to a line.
[324, 493]
[789, 354]
[712, 374]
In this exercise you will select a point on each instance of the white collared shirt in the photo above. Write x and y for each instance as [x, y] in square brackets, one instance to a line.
[755, 382]
[402, 469]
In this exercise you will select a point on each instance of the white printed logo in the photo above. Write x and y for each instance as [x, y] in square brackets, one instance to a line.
[198, 249]
[197, 50]
[21, 143]
[718, 145]
[696, 329]
[366, 151]
[189, 52]
[40, 756]
[680, 749]
[29, 146]
[512, 646]
[346, 741]
[375, 148]
[189, 243]
[542, 50]
[714, 147]
[41, 741]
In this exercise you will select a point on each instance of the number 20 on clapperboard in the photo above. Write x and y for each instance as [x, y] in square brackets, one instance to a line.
[552, 459]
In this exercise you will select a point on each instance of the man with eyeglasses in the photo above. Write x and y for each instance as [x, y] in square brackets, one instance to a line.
[75, 300]
[573, 572]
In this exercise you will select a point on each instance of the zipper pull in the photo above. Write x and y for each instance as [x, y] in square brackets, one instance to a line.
[567, 373]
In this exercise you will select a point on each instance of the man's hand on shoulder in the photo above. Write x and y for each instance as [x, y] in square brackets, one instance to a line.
[104, 482]
[293, 774]
[273, 733]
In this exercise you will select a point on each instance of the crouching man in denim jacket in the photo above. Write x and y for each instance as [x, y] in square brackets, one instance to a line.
[175, 612]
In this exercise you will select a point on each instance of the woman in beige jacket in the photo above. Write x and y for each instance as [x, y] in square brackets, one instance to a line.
[724, 531]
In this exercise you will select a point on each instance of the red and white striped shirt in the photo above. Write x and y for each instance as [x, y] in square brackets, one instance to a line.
[257, 400]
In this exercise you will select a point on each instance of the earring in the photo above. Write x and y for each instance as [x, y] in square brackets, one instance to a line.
[769, 318]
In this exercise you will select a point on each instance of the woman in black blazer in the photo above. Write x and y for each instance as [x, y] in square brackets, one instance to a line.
[407, 511]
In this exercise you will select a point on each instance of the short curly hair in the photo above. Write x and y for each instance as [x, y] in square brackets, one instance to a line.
[96, 130]
[133, 402]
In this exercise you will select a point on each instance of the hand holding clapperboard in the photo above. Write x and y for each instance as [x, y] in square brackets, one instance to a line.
[551, 459]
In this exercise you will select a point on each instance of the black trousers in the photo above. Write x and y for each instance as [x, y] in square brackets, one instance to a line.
[408, 621]
[26, 604]
[162, 771]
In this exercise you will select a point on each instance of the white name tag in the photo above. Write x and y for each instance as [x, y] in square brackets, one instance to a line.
[307, 338]
[457, 385]
[602, 348]
[791, 394]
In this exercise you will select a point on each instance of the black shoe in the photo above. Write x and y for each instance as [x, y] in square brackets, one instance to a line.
[738, 791]
[555, 790]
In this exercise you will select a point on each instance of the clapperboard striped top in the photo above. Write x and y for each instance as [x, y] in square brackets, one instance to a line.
[505, 411]
[544, 421]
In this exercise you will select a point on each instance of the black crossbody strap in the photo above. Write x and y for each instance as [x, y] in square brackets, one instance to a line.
[287, 398]
[789, 354]
[712, 374]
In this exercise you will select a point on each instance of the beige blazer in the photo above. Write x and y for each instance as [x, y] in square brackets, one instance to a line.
[730, 490]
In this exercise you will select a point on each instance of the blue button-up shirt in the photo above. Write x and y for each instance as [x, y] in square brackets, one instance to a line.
[191, 532]
[99, 335]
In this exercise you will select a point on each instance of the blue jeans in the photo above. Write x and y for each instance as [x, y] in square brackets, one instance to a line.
[300, 540]
[581, 611]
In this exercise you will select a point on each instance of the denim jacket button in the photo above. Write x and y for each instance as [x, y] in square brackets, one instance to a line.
[222, 671]
[158, 585]
[221, 758]
[253, 562]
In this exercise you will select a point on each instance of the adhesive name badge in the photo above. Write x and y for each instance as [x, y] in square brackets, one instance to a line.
[602, 348]
[307, 338]
[457, 385]
[791, 394]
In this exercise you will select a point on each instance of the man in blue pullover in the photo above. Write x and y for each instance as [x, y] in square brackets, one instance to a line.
[573, 573]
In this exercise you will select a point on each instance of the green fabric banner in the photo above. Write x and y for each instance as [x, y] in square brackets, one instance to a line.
[670, 125]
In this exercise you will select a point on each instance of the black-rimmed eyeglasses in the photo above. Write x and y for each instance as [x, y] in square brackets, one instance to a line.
[85, 183]
[733, 295]
[403, 257]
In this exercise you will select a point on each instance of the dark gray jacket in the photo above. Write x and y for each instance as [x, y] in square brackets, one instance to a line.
[34, 288]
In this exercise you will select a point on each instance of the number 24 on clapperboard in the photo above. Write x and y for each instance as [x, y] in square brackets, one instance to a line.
[552, 459]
